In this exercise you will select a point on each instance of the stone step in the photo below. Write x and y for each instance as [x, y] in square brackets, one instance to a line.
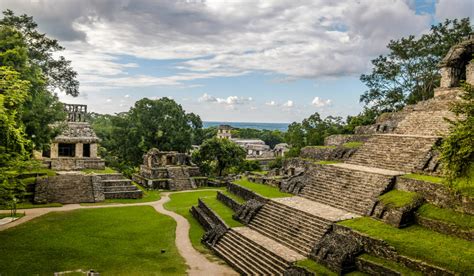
[252, 254]
[120, 188]
[124, 195]
[349, 187]
[117, 182]
[395, 152]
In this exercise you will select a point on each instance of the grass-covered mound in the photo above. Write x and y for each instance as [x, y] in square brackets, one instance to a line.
[148, 196]
[262, 189]
[314, 267]
[224, 212]
[420, 243]
[464, 221]
[180, 203]
[397, 198]
[424, 177]
[113, 241]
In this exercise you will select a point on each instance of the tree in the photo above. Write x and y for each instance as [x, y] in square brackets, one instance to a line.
[34, 60]
[457, 151]
[312, 131]
[161, 124]
[219, 155]
[409, 72]
[366, 117]
[270, 137]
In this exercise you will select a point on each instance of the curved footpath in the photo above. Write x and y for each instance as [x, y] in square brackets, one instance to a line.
[197, 263]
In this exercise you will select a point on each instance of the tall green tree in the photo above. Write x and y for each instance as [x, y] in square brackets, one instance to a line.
[43, 70]
[161, 124]
[457, 150]
[409, 72]
[218, 155]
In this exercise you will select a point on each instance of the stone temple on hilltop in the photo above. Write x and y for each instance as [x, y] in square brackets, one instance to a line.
[75, 148]
[168, 170]
[312, 222]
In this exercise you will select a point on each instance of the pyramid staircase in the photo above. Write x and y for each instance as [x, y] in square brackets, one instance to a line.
[117, 186]
[335, 192]
[179, 179]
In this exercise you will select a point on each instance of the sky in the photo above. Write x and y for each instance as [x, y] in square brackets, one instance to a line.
[240, 61]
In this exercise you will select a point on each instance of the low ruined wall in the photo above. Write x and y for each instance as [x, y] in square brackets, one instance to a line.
[329, 153]
[436, 194]
[339, 139]
[228, 201]
[68, 188]
[74, 164]
[445, 228]
[244, 192]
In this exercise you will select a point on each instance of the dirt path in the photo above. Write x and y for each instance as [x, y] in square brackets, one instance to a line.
[198, 264]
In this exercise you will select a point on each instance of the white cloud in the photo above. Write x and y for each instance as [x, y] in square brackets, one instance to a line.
[109, 100]
[127, 96]
[318, 102]
[289, 104]
[271, 103]
[450, 9]
[230, 101]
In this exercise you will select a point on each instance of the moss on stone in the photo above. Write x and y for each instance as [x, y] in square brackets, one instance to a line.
[389, 264]
[107, 170]
[424, 177]
[420, 243]
[327, 162]
[352, 145]
[461, 220]
[397, 198]
[314, 267]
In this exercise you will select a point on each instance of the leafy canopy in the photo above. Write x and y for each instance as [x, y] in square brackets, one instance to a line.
[216, 155]
[409, 72]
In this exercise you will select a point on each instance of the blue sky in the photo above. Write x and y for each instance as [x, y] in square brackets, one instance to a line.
[247, 61]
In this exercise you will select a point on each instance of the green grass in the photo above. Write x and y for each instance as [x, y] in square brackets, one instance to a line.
[314, 267]
[238, 199]
[262, 189]
[465, 185]
[352, 145]
[18, 215]
[29, 205]
[113, 241]
[180, 203]
[397, 198]
[107, 170]
[322, 147]
[430, 211]
[356, 273]
[260, 172]
[420, 243]
[224, 212]
[326, 162]
[423, 177]
[390, 264]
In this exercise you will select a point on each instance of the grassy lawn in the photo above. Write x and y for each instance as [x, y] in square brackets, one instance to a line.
[420, 243]
[423, 177]
[107, 170]
[397, 198]
[29, 205]
[262, 189]
[314, 267]
[18, 215]
[180, 203]
[238, 199]
[464, 221]
[224, 212]
[113, 241]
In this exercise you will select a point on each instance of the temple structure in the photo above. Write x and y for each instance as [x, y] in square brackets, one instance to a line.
[169, 170]
[75, 148]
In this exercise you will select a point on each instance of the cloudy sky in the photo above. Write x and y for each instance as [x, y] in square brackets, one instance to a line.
[245, 61]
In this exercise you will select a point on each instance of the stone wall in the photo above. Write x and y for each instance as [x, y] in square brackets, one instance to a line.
[327, 153]
[436, 194]
[244, 192]
[75, 164]
[339, 139]
[68, 188]
[228, 201]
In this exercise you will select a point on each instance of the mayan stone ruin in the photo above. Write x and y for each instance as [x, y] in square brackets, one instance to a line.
[168, 170]
[280, 231]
